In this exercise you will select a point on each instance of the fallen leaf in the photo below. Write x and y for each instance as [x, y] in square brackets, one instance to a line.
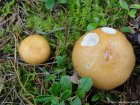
[132, 31]
[74, 78]
[135, 23]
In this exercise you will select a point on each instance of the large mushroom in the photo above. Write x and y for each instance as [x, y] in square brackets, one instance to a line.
[106, 56]
[34, 49]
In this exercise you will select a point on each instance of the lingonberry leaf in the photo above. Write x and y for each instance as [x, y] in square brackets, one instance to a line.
[54, 100]
[43, 98]
[50, 4]
[123, 4]
[125, 29]
[85, 85]
[65, 83]
[92, 26]
[76, 101]
[62, 1]
[60, 61]
[95, 97]
[65, 95]
[55, 89]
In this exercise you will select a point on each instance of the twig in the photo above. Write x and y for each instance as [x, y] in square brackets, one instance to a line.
[8, 19]
[26, 100]
[69, 29]
[43, 33]
[106, 97]
[3, 44]
[17, 61]
[65, 33]
[87, 97]
[117, 13]
[7, 95]
[18, 77]
[47, 73]
[71, 98]
[125, 20]
[19, 97]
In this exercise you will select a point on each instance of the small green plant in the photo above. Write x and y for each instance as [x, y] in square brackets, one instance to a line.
[125, 29]
[92, 26]
[7, 8]
[66, 86]
[7, 49]
[132, 9]
[50, 3]
[63, 90]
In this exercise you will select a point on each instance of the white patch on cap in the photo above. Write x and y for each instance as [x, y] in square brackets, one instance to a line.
[108, 30]
[91, 39]
[88, 66]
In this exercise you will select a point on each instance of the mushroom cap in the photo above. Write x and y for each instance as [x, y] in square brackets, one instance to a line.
[106, 56]
[34, 49]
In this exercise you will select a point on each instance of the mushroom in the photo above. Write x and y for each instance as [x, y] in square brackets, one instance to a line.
[34, 49]
[106, 56]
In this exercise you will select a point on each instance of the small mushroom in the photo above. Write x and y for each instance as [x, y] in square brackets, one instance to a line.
[106, 56]
[34, 49]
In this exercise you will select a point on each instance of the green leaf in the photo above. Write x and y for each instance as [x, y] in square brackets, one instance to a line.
[132, 13]
[47, 103]
[50, 77]
[55, 89]
[43, 98]
[123, 4]
[101, 95]
[47, 78]
[63, 73]
[60, 61]
[54, 100]
[62, 1]
[62, 103]
[70, 65]
[76, 101]
[85, 85]
[137, 6]
[44, 69]
[65, 95]
[96, 19]
[125, 29]
[92, 26]
[50, 4]
[43, 0]
[103, 23]
[95, 97]
[57, 68]
[65, 83]
[82, 97]
[46, 86]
